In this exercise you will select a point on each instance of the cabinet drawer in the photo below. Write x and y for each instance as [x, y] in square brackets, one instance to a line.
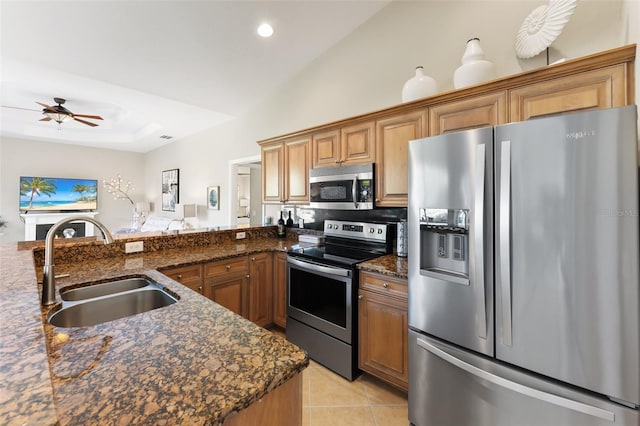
[227, 266]
[383, 284]
[184, 273]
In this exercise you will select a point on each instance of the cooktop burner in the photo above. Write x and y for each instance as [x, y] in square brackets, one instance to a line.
[348, 243]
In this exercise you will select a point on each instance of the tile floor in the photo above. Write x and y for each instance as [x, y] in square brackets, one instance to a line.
[329, 399]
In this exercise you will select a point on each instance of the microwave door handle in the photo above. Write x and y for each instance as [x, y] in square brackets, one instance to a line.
[354, 192]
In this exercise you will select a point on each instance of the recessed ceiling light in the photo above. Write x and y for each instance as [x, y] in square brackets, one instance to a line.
[265, 30]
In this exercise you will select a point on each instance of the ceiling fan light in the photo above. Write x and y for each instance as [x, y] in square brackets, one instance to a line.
[58, 117]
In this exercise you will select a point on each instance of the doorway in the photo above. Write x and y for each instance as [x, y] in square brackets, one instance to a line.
[246, 196]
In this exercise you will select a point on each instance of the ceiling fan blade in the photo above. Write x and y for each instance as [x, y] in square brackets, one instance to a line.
[25, 109]
[85, 122]
[95, 117]
[45, 105]
[45, 119]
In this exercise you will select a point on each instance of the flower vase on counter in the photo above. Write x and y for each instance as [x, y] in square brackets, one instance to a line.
[475, 68]
[419, 86]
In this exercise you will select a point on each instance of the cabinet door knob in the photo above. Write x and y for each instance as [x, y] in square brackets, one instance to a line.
[359, 297]
[385, 285]
[228, 267]
[253, 259]
[179, 276]
[248, 276]
[200, 289]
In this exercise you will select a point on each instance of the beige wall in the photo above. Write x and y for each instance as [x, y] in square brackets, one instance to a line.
[19, 157]
[366, 71]
[362, 73]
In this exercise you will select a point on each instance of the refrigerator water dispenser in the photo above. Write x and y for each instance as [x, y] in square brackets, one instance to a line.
[444, 242]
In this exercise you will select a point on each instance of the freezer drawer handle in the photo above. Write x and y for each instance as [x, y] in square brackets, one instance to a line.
[505, 241]
[478, 243]
[517, 387]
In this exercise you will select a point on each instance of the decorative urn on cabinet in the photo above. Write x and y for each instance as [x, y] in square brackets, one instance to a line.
[419, 86]
[475, 68]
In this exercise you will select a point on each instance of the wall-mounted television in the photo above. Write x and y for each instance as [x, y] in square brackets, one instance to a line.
[42, 194]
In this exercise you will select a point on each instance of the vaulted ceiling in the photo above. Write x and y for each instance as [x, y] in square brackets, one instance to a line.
[155, 68]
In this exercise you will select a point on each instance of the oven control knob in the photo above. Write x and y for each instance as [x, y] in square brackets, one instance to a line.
[380, 231]
[371, 230]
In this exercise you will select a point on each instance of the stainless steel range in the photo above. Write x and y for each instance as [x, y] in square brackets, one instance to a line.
[322, 284]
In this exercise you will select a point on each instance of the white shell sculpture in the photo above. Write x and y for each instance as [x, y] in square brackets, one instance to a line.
[542, 27]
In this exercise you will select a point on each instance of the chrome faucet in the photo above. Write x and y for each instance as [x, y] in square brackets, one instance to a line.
[49, 278]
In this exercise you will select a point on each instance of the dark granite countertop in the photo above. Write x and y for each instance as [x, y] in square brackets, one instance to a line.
[387, 265]
[193, 362]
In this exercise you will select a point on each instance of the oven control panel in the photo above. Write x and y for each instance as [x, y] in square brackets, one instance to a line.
[359, 230]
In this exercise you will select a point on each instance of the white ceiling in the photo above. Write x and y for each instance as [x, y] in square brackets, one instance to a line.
[153, 68]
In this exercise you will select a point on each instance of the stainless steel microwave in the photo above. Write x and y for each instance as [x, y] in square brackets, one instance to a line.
[342, 188]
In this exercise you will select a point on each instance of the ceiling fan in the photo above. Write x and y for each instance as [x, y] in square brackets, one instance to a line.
[58, 113]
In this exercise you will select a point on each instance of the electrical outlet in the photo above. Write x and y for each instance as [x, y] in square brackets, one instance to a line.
[241, 235]
[134, 247]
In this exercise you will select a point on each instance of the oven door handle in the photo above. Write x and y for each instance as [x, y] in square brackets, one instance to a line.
[319, 268]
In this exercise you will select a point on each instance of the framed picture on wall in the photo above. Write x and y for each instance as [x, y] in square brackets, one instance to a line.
[170, 189]
[213, 197]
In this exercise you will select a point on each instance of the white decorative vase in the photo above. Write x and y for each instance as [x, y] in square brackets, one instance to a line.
[418, 86]
[475, 68]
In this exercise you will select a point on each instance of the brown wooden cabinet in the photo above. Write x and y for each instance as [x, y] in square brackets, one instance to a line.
[273, 173]
[479, 111]
[190, 276]
[601, 80]
[599, 88]
[226, 282]
[285, 171]
[280, 289]
[351, 144]
[392, 141]
[325, 148]
[261, 289]
[296, 170]
[383, 328]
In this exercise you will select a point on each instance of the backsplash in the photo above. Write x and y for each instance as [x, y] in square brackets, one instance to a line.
[314, 218]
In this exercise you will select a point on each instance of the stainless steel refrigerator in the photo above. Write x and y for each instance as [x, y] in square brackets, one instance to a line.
[523, 273]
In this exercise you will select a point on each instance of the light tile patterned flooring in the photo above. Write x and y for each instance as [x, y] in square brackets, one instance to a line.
[328, 399]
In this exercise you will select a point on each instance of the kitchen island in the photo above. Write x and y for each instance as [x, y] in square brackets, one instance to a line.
[193, 362]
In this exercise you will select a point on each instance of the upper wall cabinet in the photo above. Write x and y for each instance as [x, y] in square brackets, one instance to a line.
[601, 80]
[600, 88]
[351, 144]
[392, 150]
[479, 111]
[285, 171]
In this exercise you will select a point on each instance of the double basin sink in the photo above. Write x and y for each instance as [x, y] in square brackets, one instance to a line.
[99, 303]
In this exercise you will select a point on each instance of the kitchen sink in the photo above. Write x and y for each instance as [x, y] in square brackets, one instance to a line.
[103, 289]
[109, 304]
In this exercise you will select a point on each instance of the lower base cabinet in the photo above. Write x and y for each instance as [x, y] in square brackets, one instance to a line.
[190, 276]
[226, 282]
[261, 289]
[280, 407]
[383, 328]
[280, 289]
[253, 286]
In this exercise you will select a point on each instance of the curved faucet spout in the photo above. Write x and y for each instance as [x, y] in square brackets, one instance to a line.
[48, 280]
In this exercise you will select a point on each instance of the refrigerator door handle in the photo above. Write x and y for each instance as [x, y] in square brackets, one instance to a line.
[478, 242]
[505, 241]
[517, 387]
